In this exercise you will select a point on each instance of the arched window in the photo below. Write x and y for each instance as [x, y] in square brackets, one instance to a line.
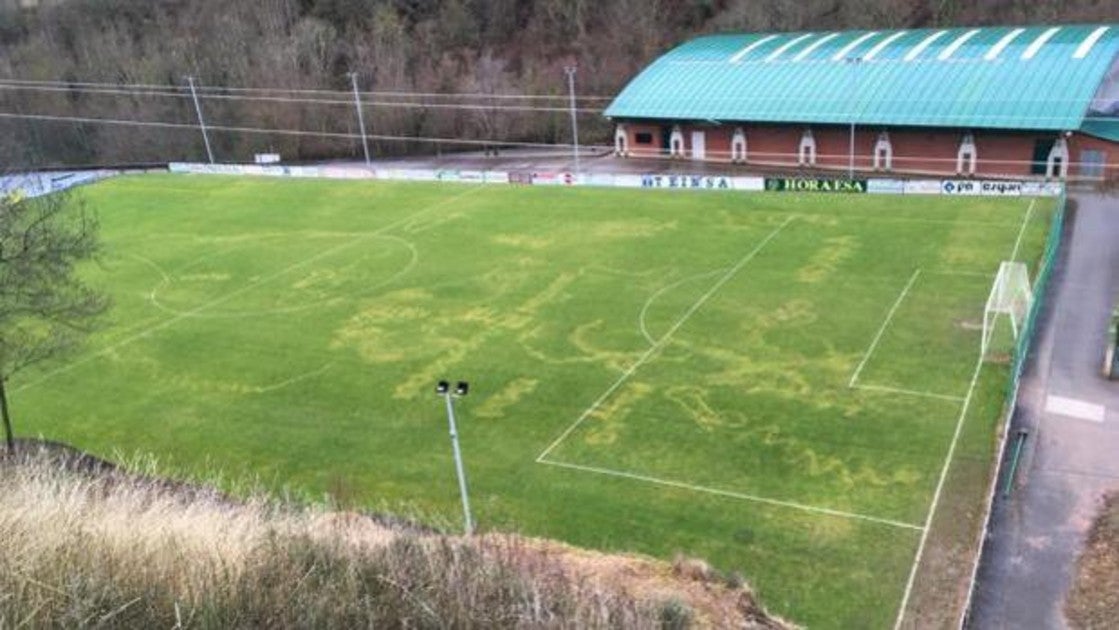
[676, 142]
[1057, 165]
[883, 153]
[621, 141]
[967, 156]
[806, 156]
[738, 145]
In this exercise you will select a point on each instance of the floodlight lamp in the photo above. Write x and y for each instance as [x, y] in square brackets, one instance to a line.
[462, 388]
[442, 388]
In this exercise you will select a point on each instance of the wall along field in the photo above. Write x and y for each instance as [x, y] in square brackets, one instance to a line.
[769, 381]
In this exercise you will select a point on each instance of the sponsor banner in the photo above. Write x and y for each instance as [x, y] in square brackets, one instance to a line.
[266, 158]
[984, 188]
[922, 187]
[447, 176]
[755, 184]
[702, 182]
[553, 179]
[808, 184]
[885, 186]
[338, 172]
[629, 181]
[523, 178]
[472, 177]
[1042, 189]
[601, 179]
[496, 177]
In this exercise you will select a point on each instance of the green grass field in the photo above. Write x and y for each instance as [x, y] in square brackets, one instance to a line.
[769, 381]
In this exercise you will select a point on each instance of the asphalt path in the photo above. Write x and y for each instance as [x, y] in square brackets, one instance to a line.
[1071, 455]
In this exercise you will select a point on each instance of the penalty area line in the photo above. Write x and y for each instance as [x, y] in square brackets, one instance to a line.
[653, 349]
[731, 494]
[882, 329]
[908, 392]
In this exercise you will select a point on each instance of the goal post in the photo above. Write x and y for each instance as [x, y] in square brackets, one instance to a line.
[1010, 298]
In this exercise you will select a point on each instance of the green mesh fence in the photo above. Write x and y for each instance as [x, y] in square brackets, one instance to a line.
[1021, 349]
[1045, 270]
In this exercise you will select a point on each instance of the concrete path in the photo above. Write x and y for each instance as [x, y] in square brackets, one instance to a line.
[1071, 458]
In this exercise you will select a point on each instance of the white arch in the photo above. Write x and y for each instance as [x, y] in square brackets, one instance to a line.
[1057, 164]
[967, 156]
[676, 142]
[738, 145]
[883, 153]
[806, 156]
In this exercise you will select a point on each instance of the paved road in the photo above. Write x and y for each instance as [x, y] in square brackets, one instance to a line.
[1072, 454]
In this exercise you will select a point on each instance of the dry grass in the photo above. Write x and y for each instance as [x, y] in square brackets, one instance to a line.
[81, 548]
[1094, 599]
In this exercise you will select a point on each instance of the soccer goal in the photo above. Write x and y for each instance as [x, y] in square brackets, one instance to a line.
[1010, 298]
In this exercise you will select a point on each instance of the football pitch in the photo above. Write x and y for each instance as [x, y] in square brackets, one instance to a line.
[786, 385]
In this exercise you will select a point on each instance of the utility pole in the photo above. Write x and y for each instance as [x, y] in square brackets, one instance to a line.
[443, 388]
[201, 120]
[571, 70]
[360, 118]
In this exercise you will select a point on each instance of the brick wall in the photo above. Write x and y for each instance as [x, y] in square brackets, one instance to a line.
[915, 151]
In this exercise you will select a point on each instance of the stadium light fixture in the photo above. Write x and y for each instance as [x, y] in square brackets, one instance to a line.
[443, 388]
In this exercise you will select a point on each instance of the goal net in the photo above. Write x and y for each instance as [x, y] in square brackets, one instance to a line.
[1010, 299]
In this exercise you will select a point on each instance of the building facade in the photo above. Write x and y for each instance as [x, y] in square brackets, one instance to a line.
[995, 102]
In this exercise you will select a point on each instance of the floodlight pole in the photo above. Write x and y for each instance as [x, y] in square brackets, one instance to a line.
[360, 118]
[570, 71]
[469, 521]
[853, 63]
[201, 120]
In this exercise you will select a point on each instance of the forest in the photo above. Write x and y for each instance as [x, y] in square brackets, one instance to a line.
[434, 75]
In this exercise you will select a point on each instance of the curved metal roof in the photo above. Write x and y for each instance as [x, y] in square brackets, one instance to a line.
[1041, 78]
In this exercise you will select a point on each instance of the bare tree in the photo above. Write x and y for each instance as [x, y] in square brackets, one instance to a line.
[46, 309]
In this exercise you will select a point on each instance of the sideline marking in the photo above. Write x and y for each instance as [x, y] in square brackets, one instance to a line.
[732, 494]
[948, 458]
[229, 296]
[1022, 230]
[668, 335]
[882, 329]
[936, 495]
[908, 392]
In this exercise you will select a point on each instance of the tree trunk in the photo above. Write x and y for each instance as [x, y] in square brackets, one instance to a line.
[9, 437]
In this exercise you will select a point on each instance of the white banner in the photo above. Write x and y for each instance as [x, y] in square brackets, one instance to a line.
[885, 186]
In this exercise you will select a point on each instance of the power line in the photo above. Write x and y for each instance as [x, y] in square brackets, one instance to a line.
[348, 102]
[290, 132]
[269, 90]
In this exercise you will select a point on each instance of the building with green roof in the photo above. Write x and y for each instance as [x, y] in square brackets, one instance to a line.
[1003, 101]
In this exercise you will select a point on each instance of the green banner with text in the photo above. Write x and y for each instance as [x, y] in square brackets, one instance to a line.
[808, 184]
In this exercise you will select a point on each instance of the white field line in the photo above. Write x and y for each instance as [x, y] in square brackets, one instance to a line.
[951, 451]
[1022, 230]
[882, 329]
[648, 354]
[153, 296]
[661, 291]
[233, 294]
[936, 494]
[731, 494]
[908, 392]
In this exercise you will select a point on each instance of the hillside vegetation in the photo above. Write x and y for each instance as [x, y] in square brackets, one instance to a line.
[474, 46]
[84, 545]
